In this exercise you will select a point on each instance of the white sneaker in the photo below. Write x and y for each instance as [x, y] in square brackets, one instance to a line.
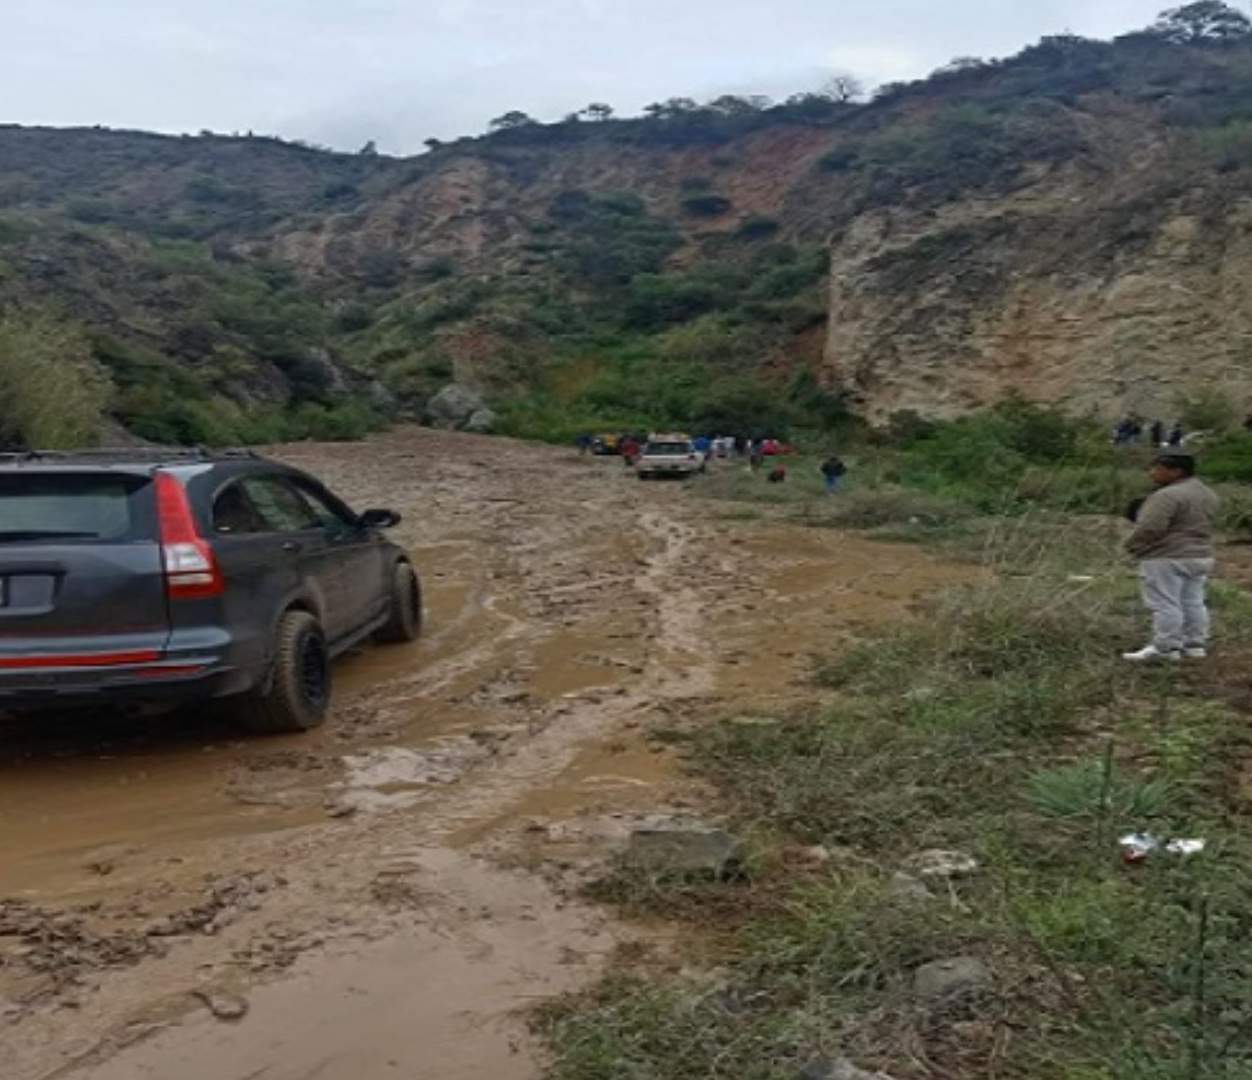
[1150, 653]
[1195, 652]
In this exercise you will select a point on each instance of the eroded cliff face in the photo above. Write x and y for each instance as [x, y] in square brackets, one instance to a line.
[1097, 294]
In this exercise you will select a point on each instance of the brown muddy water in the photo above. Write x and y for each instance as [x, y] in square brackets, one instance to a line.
[385, 895]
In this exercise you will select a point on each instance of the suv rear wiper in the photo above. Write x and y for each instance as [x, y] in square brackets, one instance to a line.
[16, 535]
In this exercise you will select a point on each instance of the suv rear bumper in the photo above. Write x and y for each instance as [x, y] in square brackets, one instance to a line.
[170, 681]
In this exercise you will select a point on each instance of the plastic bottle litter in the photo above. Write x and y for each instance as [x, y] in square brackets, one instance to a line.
[1136, 847]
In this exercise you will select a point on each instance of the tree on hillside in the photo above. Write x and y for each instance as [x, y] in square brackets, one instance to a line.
[512, 120]
[671, 109]
[962, 63]
[432, 144]
[598, 110]
[1207, 22]
[370, 149]
[735, 105]
[844, 88]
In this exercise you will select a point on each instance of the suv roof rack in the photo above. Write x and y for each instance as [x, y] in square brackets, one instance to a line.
[128, 454]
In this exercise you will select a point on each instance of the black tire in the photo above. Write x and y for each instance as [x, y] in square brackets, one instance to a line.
[404, 618]
[297, 695]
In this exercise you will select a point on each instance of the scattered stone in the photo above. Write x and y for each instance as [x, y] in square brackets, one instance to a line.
[222, 1003]
[481, 422]
[818, 854]
[685, 851]
[906, 887]
[838, 1069]
[950, 978]
[338, 808]
[937, 863]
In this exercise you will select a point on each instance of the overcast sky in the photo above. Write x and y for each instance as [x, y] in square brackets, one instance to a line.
[339, 72]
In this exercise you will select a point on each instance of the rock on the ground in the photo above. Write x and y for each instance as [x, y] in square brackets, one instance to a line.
[684, 851]
[319, 367]
[953, 977]
[222, 1003]
[838, 1069]
[907, 887]
[481, 422]
[453, 407]
[937, 863]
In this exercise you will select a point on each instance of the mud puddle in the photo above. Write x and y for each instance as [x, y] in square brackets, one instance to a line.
[72, 786]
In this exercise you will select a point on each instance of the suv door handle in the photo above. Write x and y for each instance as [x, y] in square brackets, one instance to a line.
[291, 545]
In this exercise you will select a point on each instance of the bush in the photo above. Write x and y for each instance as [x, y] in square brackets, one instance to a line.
[840, 159]
[52, 392]
[1229, 459]
[757, 227]
[707, 205]
[1207, 408]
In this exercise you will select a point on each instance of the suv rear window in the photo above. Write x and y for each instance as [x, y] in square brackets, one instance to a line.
[668, 448]
[66, 508]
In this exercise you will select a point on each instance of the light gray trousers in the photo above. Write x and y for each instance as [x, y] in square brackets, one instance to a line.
[1174, 590]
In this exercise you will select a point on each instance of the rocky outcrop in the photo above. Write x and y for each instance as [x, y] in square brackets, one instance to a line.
[459, 408]
[1037, 295]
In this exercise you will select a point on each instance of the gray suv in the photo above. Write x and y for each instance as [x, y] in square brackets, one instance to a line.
[158, 578]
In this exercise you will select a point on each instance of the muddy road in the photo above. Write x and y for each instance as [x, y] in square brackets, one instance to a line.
[383, 898]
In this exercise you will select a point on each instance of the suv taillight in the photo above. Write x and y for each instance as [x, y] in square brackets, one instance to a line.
[191, 569]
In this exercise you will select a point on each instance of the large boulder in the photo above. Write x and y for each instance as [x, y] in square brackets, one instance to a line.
[318, 367]
[685, 852]
[453, 407]
[482, 422]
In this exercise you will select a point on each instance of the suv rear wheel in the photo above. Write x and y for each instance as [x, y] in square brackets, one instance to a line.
[404, 620]
[297, 697]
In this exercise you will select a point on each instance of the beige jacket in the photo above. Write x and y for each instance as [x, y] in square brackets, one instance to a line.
[1176, 522]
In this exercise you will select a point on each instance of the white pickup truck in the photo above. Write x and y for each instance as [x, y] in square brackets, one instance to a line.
[669, 455]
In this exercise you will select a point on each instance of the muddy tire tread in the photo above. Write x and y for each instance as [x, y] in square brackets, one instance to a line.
[280, 707]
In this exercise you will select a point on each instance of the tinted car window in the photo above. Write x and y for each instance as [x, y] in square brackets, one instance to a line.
[60, 508]
[331, 516]
[234, 513]
[281, 507]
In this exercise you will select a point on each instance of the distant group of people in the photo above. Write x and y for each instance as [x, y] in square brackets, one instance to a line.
[1130, 430]
[629, 445]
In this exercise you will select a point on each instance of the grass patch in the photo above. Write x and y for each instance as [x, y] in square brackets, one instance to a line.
[1001, 724]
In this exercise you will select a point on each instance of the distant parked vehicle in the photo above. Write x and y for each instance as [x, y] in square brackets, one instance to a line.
[669, 455]
[163, 577]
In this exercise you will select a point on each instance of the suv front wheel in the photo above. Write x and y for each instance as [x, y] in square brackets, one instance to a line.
[404, 616]
[297, 696]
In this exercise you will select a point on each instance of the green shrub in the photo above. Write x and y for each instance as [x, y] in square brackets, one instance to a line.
[1208, 408]
[52, 392]
[707, 205]
[1228, 459]
[840, 159]
[757, 227]
[15, 228]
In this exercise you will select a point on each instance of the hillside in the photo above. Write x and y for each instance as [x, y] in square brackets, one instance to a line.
[1071, 224]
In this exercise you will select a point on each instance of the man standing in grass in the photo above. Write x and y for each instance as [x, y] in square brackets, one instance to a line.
[1173, 541]
[833, 471]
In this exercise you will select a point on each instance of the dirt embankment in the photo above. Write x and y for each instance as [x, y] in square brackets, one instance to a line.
[381, 897]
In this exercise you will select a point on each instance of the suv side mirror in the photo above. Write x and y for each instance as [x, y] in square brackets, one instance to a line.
[379, 519]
